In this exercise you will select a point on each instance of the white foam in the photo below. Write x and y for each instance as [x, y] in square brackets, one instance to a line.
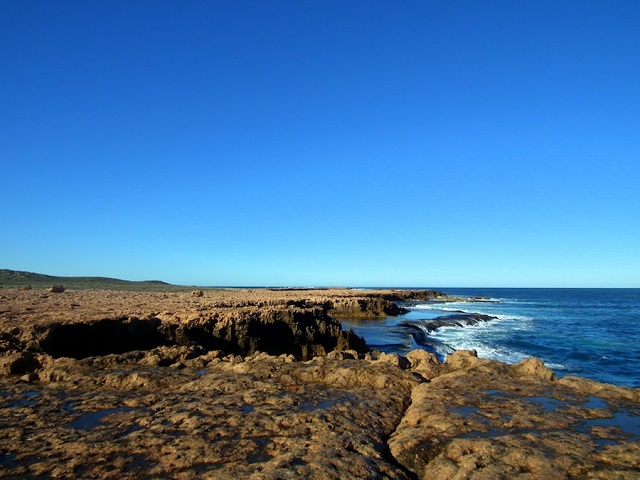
[464, 307]
[482, 336]
[487, 351]
[427, 306]
[556, 366]
[502, 316]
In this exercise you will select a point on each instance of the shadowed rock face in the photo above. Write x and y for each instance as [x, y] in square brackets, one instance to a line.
[304, 334]
[86, 323]
[367, 307]
[83, 324]
[374, 304]
[101, 337]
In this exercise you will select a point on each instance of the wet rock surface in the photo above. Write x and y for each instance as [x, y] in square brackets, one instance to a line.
[124, 416]
[486, 419]
[171, 400]
[456, 320]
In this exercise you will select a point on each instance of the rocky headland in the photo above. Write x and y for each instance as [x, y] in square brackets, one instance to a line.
[265, 384]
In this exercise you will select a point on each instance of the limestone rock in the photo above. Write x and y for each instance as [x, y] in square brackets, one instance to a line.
[532, 367]
[486, 419]
[229, 385]
[424, 363]
[370, 306]
[463, 359]
[18, 363]
[394, 359]
[257, 417]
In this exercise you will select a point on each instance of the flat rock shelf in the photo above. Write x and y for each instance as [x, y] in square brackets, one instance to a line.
[265, 384]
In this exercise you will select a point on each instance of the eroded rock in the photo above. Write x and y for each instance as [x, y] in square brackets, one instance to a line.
[128, 385]
[303, 332]
[260, 417]
[486, 419]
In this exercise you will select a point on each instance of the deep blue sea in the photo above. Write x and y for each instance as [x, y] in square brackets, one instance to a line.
[592, 333]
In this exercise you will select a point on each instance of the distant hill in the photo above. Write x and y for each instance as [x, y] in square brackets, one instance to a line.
[16, 279]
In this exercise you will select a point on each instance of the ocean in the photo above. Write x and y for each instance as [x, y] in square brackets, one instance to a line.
[591, 333]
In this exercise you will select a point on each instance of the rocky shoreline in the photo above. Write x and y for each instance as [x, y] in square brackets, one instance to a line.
[265, 384]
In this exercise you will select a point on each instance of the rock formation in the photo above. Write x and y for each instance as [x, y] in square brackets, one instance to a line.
[131, 385]
[456, 320]
[484, 419]
[86, 323]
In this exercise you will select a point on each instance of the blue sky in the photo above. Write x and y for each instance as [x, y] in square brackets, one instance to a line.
[353, 143]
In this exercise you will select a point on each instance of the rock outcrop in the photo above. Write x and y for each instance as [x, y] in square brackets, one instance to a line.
[369, 306]
[127, 386]
[484, 419]
[456, 320]
[82, 324]
[172, 413]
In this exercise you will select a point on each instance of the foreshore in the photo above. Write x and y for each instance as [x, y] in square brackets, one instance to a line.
[265, 384]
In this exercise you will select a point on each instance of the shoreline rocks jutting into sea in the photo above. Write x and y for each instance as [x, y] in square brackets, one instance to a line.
[265, 384]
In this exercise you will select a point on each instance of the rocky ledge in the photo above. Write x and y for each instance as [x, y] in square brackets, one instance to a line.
[178, 388]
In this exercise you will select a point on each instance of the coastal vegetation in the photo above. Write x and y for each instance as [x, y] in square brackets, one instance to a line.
[20, 279]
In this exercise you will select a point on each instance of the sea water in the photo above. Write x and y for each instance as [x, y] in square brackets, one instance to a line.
[592, 333]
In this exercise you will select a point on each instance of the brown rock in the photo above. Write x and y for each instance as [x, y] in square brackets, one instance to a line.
[394, 359]
[532, 367]
[131, 385]
[263, 417]
[18, 363]
[83, 330]
[425, 364]
[464, 359]
[486, 419]
[365, 306]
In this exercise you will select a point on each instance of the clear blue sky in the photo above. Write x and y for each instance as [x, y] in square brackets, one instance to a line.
[356, 143]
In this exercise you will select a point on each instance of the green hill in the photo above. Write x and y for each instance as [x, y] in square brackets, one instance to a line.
[17, 279]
